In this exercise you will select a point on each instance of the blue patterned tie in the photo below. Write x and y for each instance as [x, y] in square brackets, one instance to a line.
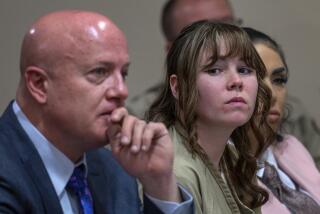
[78, 185]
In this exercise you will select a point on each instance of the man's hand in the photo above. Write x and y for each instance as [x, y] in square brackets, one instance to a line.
[145, 151]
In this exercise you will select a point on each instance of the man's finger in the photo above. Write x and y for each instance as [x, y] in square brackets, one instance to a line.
[118, 115]
[137, 135]
[152, 132]
[114, 135]
[127, 129]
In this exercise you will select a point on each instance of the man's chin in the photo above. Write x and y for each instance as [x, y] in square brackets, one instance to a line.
[99, 141]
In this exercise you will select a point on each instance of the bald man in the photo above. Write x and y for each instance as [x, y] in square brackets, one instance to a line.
[68, 105]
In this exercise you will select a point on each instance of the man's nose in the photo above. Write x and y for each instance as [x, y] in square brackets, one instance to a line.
[118, 87]
[235, 81]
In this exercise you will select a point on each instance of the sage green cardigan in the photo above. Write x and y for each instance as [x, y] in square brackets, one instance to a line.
[210, 191]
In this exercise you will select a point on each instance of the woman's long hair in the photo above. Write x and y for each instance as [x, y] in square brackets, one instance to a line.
[258, 37]
[183, 60]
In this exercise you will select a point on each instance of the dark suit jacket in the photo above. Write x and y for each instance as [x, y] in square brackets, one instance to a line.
[25, 186]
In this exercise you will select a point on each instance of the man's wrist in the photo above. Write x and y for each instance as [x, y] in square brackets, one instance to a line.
[169, 207]
[165, 188]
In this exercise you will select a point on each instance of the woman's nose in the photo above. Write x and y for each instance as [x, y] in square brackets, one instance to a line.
[235, 81]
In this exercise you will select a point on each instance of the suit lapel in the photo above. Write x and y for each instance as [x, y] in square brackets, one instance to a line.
[32, 163]
[100, 197]
[44, 186]
[98, 185]
[113, 190]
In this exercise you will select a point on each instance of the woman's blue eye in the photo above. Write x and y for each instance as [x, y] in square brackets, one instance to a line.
[214, 71]
[245, 70]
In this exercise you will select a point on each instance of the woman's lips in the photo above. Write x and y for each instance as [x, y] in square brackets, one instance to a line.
[236, 100]
[273, 116]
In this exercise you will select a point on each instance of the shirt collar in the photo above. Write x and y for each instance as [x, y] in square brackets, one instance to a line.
[267, 156]
[58, 166]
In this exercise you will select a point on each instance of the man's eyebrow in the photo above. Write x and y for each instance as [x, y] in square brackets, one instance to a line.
[111, 64]
[127, 64]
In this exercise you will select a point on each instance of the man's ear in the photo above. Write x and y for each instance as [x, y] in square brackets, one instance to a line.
[36, 80]
[174, 85]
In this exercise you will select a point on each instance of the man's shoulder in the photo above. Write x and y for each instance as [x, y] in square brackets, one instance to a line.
[9, 125]
[14, 142]
[8, 135]
[17, 189]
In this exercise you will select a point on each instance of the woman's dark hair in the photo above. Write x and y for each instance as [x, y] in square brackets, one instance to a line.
[258, 37]
[183, 60]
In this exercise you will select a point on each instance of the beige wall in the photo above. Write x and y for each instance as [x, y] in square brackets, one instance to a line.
[293, 23]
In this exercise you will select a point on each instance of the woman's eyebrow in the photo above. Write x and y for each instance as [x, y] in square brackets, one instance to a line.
[279, 70]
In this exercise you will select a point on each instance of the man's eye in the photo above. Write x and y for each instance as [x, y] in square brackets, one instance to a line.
[97, 75]
[124, 74]
[99, 72]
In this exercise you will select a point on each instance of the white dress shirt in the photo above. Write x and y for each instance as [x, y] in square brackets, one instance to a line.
[269, 157]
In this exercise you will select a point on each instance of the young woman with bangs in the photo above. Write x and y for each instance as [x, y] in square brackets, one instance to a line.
[214, 94]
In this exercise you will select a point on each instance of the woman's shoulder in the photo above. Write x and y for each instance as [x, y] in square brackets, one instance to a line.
[184, 161]
[290, 144]
[288, 149]
[188, 167]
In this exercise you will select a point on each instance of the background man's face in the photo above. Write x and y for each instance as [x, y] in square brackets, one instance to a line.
[190, 11]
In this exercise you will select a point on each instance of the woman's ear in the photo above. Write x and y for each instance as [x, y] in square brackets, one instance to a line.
[36, 80]
[174, 85]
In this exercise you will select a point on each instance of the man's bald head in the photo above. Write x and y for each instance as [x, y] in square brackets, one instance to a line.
[73, 66]
[177, 14]
[58, 35]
